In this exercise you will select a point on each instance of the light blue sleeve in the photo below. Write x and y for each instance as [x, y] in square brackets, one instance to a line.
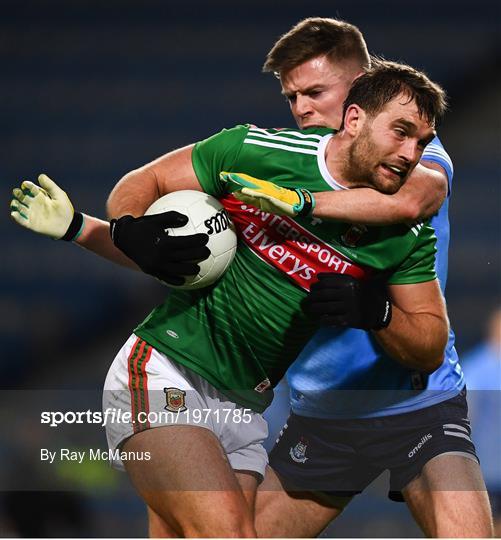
[436, 153]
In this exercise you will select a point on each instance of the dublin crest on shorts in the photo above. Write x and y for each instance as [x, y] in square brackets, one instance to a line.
[298, 452]
[175, 400]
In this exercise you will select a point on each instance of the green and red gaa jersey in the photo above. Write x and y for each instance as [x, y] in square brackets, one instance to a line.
[242, 333]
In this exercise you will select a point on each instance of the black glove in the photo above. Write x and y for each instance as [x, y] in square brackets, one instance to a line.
[169, 258]
[343, 301]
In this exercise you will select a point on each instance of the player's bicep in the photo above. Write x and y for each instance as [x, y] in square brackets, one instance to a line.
[416, 298]
[139, 188]
[174, 171]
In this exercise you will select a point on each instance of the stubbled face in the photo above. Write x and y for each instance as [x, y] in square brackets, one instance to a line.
[316, 91]
[388, 146]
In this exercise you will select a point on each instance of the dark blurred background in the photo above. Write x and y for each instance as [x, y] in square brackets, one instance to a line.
[91, 89]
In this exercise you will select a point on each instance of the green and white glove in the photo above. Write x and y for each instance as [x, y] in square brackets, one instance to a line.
[268, 196]
[46, 209]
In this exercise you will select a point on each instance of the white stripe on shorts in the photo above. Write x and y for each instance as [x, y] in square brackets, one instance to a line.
[455, 434]
[456, 426]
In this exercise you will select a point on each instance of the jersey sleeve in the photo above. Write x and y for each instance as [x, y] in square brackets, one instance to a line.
[419, 266]
[436, 153]
[215, 154]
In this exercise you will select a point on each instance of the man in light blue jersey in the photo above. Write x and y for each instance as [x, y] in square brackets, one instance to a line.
[356, 409]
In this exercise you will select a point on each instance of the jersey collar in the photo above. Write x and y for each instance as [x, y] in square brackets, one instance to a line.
[322, 165]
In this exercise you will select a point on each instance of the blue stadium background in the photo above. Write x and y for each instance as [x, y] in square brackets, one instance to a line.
[92, 89]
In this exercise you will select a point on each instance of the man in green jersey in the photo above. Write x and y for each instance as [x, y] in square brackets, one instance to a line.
[202, 350]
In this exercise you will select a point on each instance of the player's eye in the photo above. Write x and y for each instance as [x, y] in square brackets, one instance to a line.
[423, 143]
[400, 132]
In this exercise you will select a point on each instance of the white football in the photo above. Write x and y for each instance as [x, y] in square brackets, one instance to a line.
[206, 215]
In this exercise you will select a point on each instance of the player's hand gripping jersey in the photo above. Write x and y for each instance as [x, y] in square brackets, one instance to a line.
[242, 333]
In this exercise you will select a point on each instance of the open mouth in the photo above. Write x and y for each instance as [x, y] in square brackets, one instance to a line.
[399, 171]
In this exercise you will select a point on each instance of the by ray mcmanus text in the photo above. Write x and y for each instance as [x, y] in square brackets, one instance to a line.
[91, 454]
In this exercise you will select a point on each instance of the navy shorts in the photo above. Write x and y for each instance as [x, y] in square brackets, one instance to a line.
[337, 459]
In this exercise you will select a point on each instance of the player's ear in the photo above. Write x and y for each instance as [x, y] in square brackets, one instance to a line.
[354, 119]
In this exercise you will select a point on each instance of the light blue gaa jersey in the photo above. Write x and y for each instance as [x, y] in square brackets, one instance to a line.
[346, 374]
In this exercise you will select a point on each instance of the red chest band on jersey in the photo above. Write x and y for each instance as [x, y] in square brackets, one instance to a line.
[284, 244]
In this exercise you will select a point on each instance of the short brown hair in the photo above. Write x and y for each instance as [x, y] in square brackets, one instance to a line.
[317, 36]
[386, 80]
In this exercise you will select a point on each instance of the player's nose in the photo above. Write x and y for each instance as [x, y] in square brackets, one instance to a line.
[303, 106]
[409, 151]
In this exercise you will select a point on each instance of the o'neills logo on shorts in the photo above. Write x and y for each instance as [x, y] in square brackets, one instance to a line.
[283, 243]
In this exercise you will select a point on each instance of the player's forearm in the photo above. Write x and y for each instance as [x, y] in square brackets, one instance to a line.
[415, 340]
[95, 237]
[419, 198]
[362, 206]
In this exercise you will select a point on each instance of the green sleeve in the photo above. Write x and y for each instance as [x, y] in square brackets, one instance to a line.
[419, 266]
[215, 154]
